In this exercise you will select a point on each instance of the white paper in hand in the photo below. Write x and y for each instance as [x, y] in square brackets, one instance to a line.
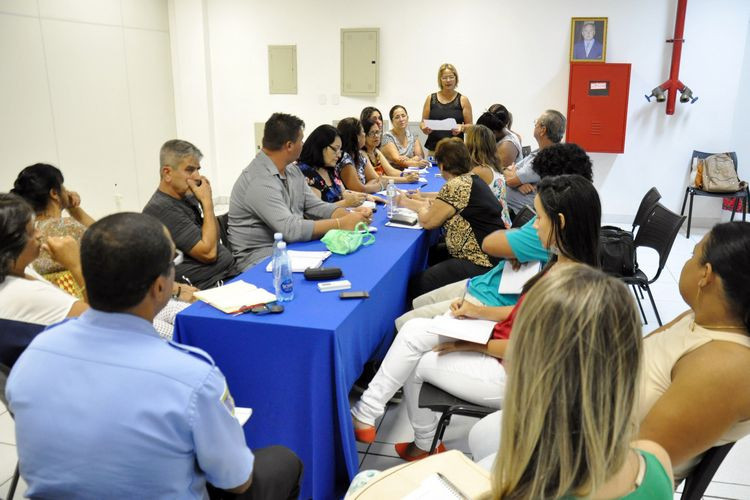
[446, 124]
[512, 281]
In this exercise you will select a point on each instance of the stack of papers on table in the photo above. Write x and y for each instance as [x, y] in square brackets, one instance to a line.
[301, 260]
[234, 296]
[471, 330]
[423, 170]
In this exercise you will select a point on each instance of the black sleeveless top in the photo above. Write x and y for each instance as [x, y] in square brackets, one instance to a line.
[440, 111]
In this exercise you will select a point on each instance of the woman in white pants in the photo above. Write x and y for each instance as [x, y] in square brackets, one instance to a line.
[568, 220]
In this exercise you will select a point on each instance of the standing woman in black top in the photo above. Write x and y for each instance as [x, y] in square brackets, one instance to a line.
[447, 103]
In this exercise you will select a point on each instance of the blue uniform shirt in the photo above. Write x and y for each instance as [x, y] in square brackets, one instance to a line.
[526, 247]
[104, 408]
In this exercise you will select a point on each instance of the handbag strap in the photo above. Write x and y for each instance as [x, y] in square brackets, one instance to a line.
[367, 237]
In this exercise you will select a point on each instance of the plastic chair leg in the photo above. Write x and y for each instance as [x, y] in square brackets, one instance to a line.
[13, 484]
[653, 304]
[734, 209]
[640, 306]
[445, 419]
[684, 201]
[690, 215]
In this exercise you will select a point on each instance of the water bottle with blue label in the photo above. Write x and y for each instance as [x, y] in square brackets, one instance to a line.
[282, 275]
[390, 194]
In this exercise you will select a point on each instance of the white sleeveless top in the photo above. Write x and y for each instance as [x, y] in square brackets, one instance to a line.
[513, 139]
[660, 354]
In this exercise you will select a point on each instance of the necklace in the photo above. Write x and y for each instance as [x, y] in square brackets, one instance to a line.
[715, 327]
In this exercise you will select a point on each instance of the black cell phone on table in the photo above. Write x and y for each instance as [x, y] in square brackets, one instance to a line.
[354, 295]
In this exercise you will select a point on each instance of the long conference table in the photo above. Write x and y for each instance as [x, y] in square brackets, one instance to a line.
[295, 369]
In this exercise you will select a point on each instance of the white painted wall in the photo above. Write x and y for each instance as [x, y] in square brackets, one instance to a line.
[87, 86]
[96, 86]
[510, 52]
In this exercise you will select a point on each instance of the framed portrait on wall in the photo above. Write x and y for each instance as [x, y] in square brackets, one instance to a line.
[588, 39]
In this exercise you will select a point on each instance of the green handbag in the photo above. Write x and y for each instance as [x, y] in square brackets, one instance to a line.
[344, 242]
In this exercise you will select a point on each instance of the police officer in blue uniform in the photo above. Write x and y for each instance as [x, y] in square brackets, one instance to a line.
[105, 408]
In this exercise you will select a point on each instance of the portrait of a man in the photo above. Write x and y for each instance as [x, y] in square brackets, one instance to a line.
[588, 40]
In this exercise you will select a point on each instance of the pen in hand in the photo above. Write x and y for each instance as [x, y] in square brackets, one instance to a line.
[463, 297]
[187, 280]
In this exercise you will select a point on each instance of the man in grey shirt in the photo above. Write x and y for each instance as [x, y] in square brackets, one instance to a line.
[272, 196]
[184, 204]
[521, 179]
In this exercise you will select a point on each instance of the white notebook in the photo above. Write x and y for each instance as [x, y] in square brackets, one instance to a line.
[436, 487]
[301, 260]
[471, 330]
[232, 297]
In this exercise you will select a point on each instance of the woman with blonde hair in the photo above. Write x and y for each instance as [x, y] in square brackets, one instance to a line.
[481, 144]
[573, 365]
[445, 103]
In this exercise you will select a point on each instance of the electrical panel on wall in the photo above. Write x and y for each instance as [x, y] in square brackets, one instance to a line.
[598, 106]
[258, 128]
[282, 69]
[360, 61]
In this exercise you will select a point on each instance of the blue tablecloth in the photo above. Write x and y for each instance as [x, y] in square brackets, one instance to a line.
[296, 369]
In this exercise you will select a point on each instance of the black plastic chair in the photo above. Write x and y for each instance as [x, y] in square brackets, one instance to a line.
[15, 336]
[699, 479]
[691, 191]
[647, 204]
[448, 405]
[223, 221]
[523, 216]
[658, 231]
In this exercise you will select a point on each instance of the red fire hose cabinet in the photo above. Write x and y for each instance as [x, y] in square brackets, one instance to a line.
[598, 106]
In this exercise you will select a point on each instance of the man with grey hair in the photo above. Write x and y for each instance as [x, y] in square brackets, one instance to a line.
[184, 204]
[521, 179]
[588, 47]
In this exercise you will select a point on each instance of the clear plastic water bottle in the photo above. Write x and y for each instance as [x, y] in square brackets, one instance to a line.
[282, 275]
[277, 237]
[390, 193]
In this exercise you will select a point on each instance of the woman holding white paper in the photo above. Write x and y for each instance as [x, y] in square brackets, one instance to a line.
[443, 104]
[568, 221]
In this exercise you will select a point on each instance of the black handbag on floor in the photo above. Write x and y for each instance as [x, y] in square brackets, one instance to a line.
[617, 251]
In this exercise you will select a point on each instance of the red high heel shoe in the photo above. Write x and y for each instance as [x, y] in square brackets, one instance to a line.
[366, 435]
[403, 451]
